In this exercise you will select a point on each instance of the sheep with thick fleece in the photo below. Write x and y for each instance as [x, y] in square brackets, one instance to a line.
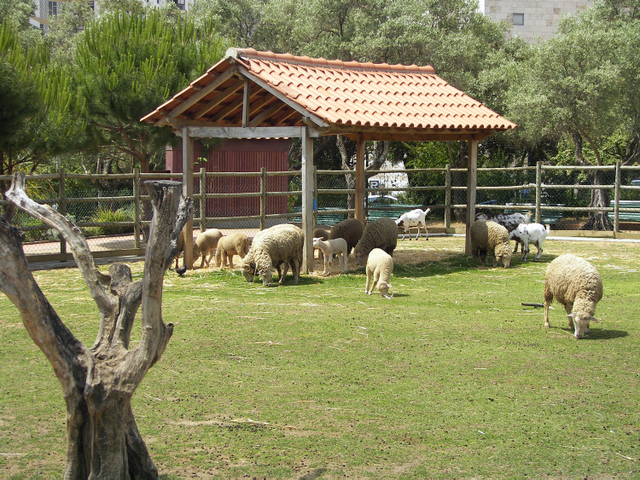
[322, 234]
[329, 248]
[379, 269]
[382, 234]
[277, 246]
[490, 237]
[349, 229]
[235, 244]
[414, 218]
[529, 233]
[577, 285]
[206, 243]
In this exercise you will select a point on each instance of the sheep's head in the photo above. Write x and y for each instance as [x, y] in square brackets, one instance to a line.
[266, 275]
[383, 288]
[316, 241]
[503, 254]
[580, 323]
[248, 272]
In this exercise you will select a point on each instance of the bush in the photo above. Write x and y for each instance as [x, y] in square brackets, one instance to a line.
[106, 215]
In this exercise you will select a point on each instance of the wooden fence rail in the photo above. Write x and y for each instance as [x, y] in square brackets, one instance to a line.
[616, 209]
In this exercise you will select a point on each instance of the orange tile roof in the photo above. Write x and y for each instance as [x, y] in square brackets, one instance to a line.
[342, 97]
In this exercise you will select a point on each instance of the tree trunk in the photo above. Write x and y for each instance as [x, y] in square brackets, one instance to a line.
[103, 440]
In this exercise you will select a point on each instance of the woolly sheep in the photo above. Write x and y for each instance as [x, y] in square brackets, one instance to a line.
[329, 248]
[274, 247]
[349, 229]
[490, 237]
[322, 234]
[414, 218]
[510, 221]
[577, 285]
[529, 233]
[235, 244]
[383, 234]
[379, 269]
[206, 243]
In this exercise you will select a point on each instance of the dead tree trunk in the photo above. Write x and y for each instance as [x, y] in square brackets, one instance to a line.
[103, 440]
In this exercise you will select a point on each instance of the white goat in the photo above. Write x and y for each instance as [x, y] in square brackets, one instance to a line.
[414, 218]
[527, 233]
[334, 246]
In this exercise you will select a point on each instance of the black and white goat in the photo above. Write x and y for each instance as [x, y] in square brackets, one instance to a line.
[508, 220]
[529, 233]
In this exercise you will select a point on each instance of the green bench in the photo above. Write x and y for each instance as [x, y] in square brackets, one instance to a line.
[626, 216]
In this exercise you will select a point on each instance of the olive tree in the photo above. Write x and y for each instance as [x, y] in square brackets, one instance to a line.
[98, 382]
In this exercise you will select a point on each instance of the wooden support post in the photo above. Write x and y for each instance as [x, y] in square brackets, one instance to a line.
[62, 206]
[360, 148]
[616, 206]
[447, 197]
[307, 201]
[137, 228]
[203, 199]
[538, 191]
[187, 192]
[472, 176]
[263, 198]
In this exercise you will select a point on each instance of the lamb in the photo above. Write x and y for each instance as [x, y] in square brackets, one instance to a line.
[349, 229]
[322, 234]
[206, 243]
[577, 285]
[383, 234]
[274, 247]
[379, 268]
[527, 233]
[414, 218]
[490, 237]
[235, 244]
[334, 246]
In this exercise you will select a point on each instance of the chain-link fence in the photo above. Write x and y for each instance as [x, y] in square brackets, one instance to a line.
[113, 210]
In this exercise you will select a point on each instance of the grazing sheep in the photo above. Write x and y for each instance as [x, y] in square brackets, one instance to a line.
[334, 246]
[235, 244]
[379, 268]
[508, 220]
[529, 233]
[206, 243]
[490, 237]
[383, 234]
[577, 285]
[349, 229]
[322, 234]
[414, 218]
[277, 246]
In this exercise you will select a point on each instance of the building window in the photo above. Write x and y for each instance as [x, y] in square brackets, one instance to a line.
[92, 6]
[518, 19]
[180, 4]
[53, 9]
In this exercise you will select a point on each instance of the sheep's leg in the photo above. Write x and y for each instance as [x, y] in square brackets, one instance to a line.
[547, 302]
[285, 269]
[539, 254]
[230, 261]
[327, 262]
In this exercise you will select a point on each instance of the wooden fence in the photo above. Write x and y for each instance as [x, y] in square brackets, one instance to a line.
[617, 209]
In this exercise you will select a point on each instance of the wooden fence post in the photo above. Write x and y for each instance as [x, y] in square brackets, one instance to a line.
[203, 199]
[263, 198]
[538, 191]
[62, 206]
[137, 228]
[616, 206]
[447, 196]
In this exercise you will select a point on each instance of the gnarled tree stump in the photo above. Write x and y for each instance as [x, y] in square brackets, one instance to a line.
[103, 440]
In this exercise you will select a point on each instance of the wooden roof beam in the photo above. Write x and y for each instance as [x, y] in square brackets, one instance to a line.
[219, 99]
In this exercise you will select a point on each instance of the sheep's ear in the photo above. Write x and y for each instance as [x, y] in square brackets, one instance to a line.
[571, 315]
[594, 319]
[247, 268]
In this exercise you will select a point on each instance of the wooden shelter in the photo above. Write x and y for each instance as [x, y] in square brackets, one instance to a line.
[252, 94]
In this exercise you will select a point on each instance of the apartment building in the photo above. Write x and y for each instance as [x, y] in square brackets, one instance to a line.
[532, 20]
[45, 9]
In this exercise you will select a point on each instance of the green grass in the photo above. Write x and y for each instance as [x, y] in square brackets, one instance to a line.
[453, 377]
